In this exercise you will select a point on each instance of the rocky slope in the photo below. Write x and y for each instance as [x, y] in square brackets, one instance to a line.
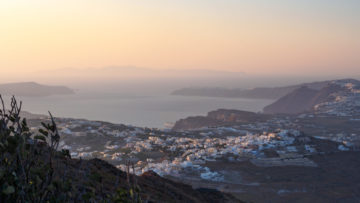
[103, 179]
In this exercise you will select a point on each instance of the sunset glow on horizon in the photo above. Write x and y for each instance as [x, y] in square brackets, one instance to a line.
[266, 37]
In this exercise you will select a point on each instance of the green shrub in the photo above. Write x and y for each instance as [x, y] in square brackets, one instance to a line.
[26, 160]
[32, 170]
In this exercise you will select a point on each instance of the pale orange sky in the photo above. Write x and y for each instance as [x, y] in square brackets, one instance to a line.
[262, 37]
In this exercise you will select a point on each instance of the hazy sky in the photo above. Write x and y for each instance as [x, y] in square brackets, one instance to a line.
[251, 36]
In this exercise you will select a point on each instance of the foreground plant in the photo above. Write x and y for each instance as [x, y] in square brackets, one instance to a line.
[33, 170]
[26, 160]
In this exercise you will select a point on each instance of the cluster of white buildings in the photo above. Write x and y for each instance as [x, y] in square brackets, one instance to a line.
[193, 153]
[177, 153]
[345, 103]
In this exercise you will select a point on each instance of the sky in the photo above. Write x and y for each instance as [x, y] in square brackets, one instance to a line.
[278, 37]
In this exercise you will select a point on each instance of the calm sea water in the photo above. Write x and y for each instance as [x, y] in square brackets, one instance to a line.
[144, 111]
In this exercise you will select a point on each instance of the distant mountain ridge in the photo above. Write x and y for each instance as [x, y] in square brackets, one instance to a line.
[32, 89]
[255, 93]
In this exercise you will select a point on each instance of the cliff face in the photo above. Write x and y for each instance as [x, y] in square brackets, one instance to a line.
[219, 117]
[225, 115]
[195, 123]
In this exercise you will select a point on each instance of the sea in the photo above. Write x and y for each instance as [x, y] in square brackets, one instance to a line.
[154, 111]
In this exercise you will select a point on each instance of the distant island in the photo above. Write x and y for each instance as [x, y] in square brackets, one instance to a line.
[255, 93]
[32, 89]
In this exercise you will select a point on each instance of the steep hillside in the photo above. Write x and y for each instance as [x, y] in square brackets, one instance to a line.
[105, 179]
[305, 99]
[298, 101]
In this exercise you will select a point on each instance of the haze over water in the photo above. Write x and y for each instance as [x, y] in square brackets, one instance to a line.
[142, 111]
